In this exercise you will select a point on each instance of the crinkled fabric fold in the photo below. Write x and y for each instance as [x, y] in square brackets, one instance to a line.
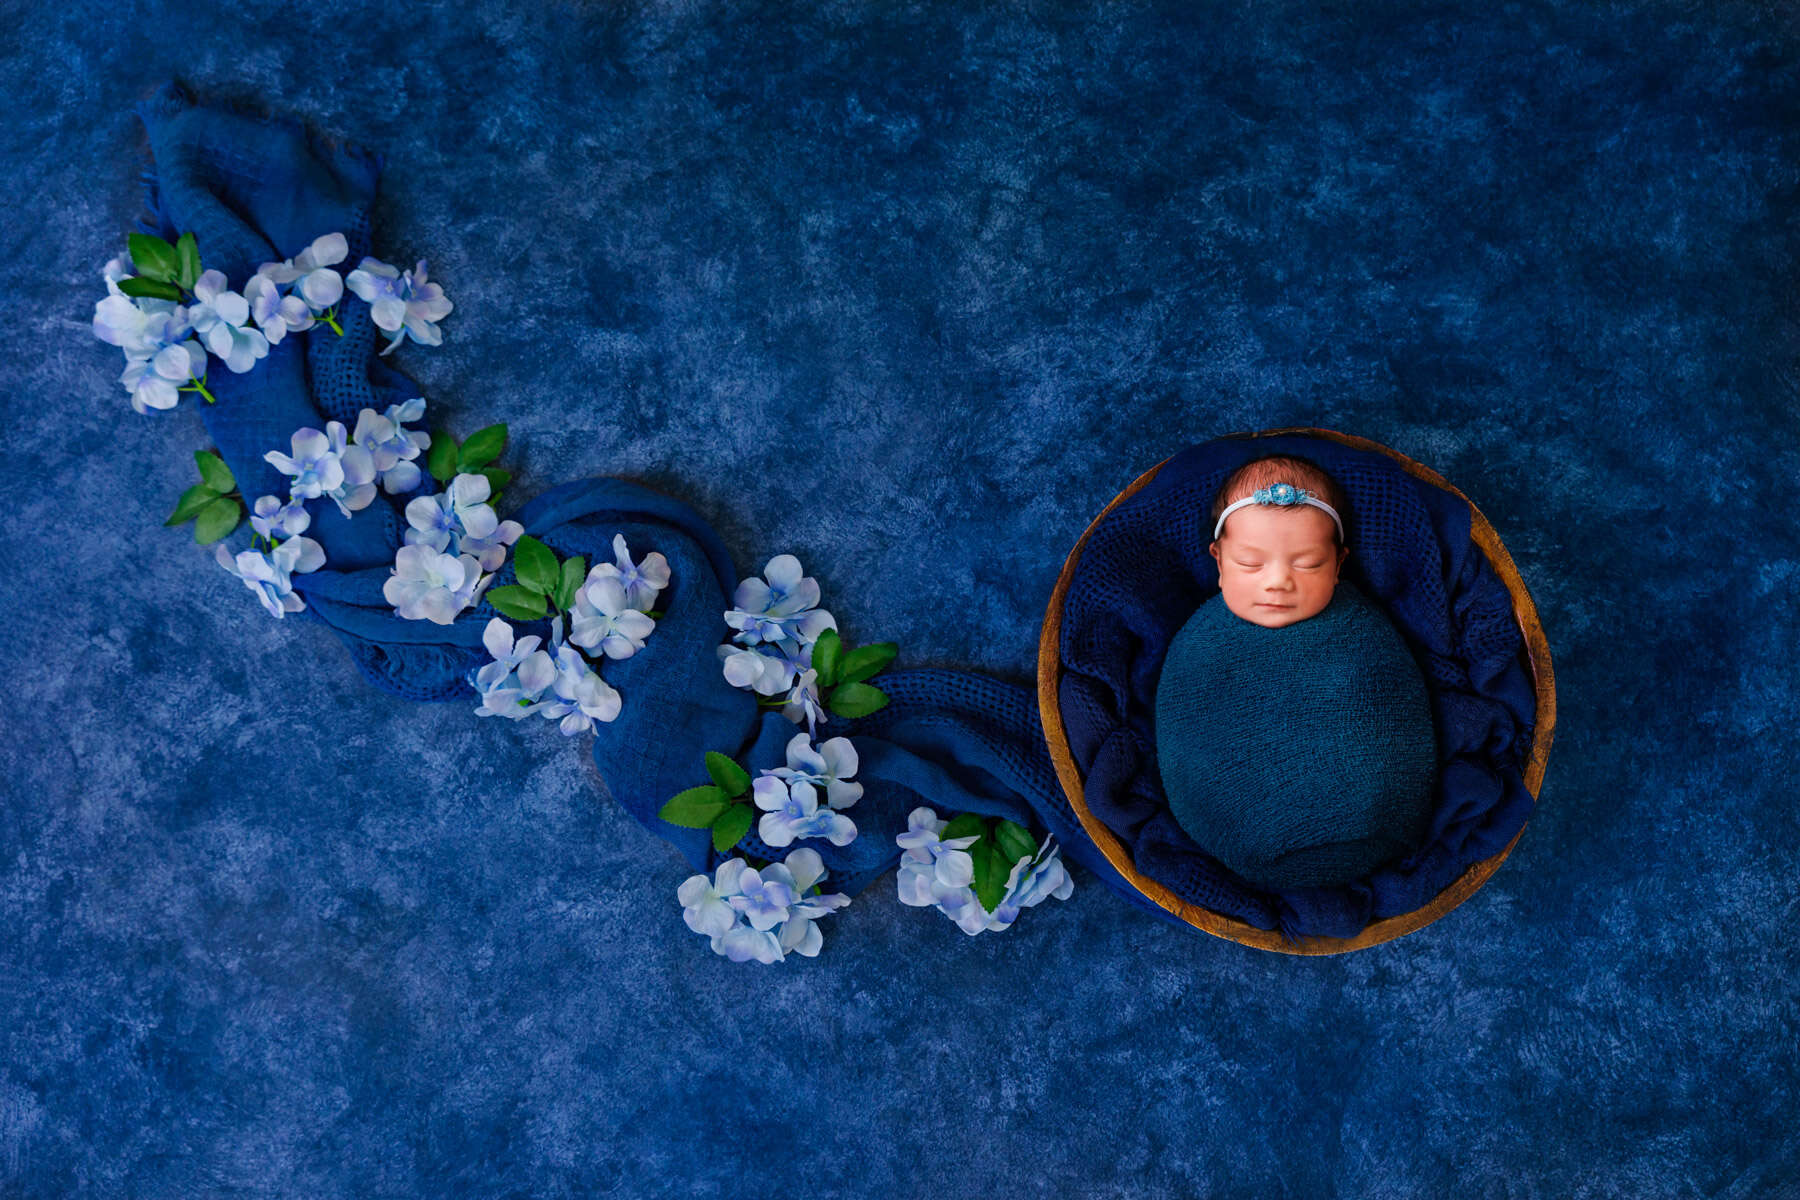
[1146, 569]
[256, 190]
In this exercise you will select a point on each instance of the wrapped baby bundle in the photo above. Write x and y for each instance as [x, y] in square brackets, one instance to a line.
[1300, 756]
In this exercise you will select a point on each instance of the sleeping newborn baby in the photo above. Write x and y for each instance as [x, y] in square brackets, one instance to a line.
[1293, 727]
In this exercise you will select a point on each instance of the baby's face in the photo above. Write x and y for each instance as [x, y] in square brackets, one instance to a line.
[1278, 566]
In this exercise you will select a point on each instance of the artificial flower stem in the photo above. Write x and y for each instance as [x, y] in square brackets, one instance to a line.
[330, 318]
[200, 386]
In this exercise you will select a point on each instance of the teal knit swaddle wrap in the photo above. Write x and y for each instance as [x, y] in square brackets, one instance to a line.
[1302, 756]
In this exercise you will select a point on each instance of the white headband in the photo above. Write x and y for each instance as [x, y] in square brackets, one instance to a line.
[1283, 494]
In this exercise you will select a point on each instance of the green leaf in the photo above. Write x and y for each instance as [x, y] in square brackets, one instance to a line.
[696, 808]
[213, 471]
[574, 571]
[155, 258]
[497, 479]
[520, 603]
[730, 827]
[187, 260]
[216, 519]
[1015, 842]
[482, 447]
[440, 460]
[154, 289]
[967, 825]
[856, 700]
[991, 870]
[866, 661]
[535, 564]
[190, 504]
[732, 779]
[826, 652]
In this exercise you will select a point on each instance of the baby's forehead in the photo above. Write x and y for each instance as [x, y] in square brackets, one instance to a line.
[1278, 528]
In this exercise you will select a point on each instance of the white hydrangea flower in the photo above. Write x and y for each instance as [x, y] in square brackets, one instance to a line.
[357, 465]
[460, 519]
[642, 581]
[430, 586]
[767, 668]
[791, 811]
[803, 702]
[582, 697]
[706, 903]
[830, 766]
[315, 283]
[276, 315]
[156, 382]
[798, 933]
[274, 518]
[314, 464]
[219, 316]
[781, 606]
[513, 685]
[394, 447]
[603, 619]
[270, 575]
[401, 304]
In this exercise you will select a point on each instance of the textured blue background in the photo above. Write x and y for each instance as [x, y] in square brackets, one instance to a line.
[911, 291]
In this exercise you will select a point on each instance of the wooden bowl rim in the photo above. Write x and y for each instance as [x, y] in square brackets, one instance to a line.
[1049, 677]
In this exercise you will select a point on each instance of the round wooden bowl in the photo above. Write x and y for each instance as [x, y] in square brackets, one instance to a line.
[1388, 928]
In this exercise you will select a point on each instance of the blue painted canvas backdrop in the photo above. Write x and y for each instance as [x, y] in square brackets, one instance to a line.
[911, 293]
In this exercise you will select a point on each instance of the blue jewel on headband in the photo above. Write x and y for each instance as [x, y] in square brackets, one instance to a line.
[1281, 493]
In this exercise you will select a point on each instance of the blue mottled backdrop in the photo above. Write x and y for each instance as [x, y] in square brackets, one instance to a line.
[911, 291]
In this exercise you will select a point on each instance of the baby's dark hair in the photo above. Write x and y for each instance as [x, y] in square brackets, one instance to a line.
[1273, 468]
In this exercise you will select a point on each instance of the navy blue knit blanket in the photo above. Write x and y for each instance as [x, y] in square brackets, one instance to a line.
[255, 190]
[1299, 756]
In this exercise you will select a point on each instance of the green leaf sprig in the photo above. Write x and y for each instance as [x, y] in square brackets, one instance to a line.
[721, 806]
[213, 504]
[998, 847]
[448, 458]
[165, 272]
[842, 674]
[543, 582]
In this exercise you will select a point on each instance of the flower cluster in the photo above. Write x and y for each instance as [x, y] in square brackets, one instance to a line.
[269, 575]
[940, 872]
[760, 914]
[401, 303]
[327, 464]
[167, 314]
[612, 610]
[454, 544]
[460, 521]
[778, 621]
[558, 682]
[789, 796]
[394, 449]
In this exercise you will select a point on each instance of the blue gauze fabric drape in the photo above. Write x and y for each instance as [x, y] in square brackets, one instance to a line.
[255, 190]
